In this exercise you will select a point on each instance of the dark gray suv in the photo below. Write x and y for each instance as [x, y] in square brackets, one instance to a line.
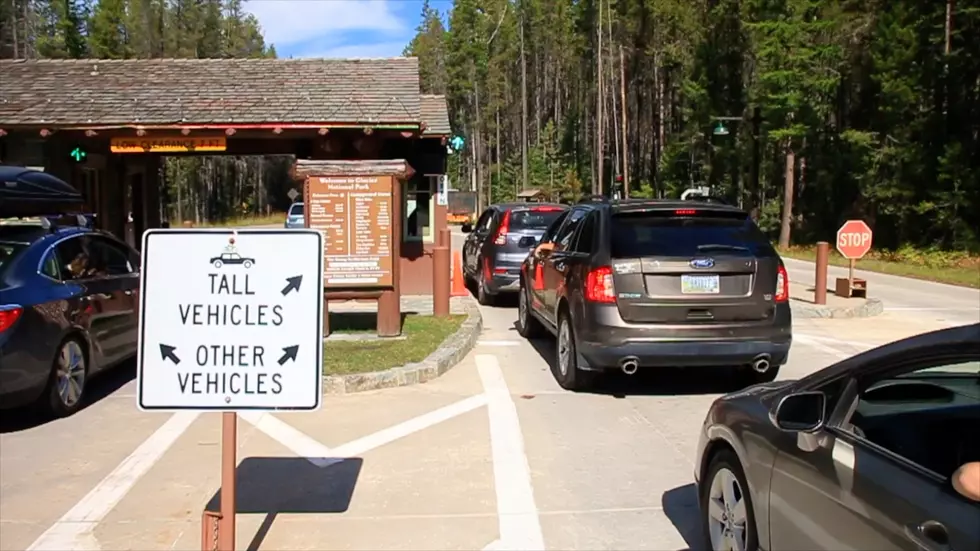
[645, 283]
[499, 243]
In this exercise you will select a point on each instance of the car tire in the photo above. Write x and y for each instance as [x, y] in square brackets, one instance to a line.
[65, 392]
[248, 264]
[482, 296]
[217, 263]
[528, 326]
[565, 367]
[726, 505]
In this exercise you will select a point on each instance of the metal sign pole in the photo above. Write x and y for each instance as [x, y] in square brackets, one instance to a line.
[229, 464]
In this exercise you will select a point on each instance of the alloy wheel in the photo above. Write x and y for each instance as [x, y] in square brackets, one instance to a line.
[70, 376]
[564, 348]
[726, 516]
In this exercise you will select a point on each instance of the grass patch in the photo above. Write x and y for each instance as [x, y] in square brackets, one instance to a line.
[955, 268]
[423, 334]
[278, 218]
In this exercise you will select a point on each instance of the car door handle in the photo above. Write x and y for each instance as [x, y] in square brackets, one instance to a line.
[929, 536]
[560, 266]
[128, 292]
[103, 296]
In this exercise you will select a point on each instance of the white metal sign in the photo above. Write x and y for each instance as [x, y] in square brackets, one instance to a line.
[231, 321]
[442, 193]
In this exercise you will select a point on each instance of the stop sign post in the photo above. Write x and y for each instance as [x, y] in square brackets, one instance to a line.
[854, 240]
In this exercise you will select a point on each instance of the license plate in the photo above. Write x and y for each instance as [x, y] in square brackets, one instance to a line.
[700, 285]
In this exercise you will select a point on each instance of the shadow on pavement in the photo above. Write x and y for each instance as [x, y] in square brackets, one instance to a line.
[681, 507]
[653, 381]
[351, 322]
[104, 385]
[273, 485]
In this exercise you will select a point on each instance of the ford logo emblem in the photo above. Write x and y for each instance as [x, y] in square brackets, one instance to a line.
[702, 263]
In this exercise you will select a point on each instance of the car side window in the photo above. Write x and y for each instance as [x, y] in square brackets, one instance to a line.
[927, 415]
[111, 258]
[483, 223]
[74, 260]
[50, 265]
[554, 227]
[564, 238]
[585, 241]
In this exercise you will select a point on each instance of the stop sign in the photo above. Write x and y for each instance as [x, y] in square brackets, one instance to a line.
[854, 239]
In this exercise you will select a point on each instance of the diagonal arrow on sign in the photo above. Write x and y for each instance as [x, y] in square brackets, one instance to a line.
[292, 284]
[289, 353]
[167, 353]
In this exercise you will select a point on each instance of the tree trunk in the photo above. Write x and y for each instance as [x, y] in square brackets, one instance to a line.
[597, 184]
[523, 109]
[787, 221]
[622, 95]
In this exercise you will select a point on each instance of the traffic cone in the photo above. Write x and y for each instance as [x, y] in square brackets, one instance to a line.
[459, 285]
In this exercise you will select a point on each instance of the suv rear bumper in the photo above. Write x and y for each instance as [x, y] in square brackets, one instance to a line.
[604, 340]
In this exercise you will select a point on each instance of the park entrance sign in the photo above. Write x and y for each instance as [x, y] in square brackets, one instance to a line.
[231, 320]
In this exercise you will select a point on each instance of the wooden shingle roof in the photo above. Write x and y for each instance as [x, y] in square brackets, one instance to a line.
[209, 91]
[435, 114]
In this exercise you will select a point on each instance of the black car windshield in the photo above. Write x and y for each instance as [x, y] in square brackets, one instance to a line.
[668, 234]
[535, 218]
[296, 209]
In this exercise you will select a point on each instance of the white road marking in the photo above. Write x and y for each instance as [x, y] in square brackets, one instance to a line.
[520, 527]
[916, 309]
[322, 456]
[74, 531]
[818, 343]
[293, 439]
[401, 430]
[498, 343]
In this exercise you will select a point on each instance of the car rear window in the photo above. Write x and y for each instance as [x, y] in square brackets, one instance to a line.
[296, 209]
[535, 218]
[9, 251]
[690, 234]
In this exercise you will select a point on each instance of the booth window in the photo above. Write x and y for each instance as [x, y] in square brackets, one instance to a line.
[418, 208]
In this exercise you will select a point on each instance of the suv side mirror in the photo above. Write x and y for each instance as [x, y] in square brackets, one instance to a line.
[800, 412]
[467, 227]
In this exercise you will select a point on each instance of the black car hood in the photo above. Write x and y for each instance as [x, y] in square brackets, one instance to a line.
[26, 192]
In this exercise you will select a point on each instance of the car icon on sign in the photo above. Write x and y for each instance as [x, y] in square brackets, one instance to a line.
[232, 258]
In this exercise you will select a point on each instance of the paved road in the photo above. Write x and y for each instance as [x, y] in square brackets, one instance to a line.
[493, 455]
[955, 305]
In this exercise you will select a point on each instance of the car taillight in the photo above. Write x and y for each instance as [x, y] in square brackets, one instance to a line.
[782, 285]
[501, 237]
[685, 212]
[599, 285]
[9, 316]
[546, 209]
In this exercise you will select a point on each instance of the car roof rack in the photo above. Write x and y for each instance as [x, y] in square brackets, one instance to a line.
[707, 199]
[594, 199]
[49, 222]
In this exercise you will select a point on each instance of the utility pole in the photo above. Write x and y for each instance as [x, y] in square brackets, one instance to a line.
[523, 107]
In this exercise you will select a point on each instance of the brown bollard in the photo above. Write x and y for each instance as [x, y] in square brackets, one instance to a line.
[440, 281]
[820, 287]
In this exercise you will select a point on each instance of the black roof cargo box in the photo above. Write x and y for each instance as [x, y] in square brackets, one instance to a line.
[26, 192]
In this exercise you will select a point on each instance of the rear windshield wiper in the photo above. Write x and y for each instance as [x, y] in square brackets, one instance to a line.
[721, 247]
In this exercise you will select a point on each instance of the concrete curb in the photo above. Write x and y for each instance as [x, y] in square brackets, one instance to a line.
[868, 308]
[445, 357]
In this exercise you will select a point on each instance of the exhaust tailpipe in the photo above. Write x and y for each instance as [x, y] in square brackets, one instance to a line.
[761, 364]
[629, 365]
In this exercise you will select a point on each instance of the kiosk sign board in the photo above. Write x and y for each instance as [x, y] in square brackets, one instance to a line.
[230, 320]
[354, 213]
